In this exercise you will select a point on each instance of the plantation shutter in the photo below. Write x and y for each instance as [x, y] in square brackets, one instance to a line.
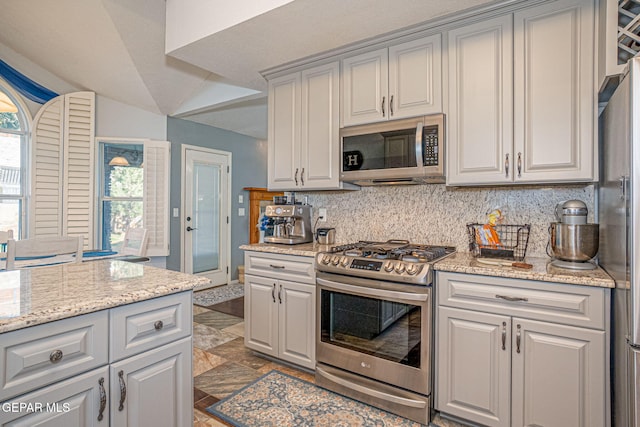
[45, 207]
[62, 162]
[155, 200]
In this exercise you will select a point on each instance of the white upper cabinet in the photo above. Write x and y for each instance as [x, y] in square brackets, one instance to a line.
[480, 116]
[555, 93]
[303, 140]
[523, 113]
[404, 80]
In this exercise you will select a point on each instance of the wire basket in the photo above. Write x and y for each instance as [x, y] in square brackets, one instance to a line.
[511, 243]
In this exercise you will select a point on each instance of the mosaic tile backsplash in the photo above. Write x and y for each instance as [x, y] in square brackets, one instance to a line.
[436, 214]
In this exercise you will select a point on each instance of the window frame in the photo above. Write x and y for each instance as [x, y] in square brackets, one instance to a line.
[100, 181]
[24, 117]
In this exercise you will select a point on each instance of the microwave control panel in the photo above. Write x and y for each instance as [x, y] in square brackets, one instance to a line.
[430, 146]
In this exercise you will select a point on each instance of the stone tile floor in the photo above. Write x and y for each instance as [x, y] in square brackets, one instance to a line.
[223, 365]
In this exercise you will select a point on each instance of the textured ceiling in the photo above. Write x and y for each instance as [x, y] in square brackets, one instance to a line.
[116, 48]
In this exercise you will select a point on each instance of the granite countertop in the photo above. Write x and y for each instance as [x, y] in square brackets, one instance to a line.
[302, 249]
[464, 262]
[39, 295]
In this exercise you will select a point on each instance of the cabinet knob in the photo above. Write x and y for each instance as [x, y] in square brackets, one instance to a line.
[56, 356]
[158, 325]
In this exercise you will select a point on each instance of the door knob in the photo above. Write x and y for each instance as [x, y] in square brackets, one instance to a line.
[191, 229]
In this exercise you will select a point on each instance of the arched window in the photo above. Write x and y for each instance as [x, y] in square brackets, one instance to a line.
[14, 131]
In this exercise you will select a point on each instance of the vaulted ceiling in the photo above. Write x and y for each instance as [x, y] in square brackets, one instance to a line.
[117, 49]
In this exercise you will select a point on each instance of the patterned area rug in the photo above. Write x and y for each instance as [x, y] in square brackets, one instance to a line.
[280, 400]
[218, 294]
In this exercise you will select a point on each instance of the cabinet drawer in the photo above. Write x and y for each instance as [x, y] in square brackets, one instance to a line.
[553, 302]
[33, 357]
[277, 266]
[148, 324]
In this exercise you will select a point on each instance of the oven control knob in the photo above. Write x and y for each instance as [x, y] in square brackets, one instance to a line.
[399, 267]
[344, 261]
[335, 260]
[412, 269]
[388, 267]
[326, 259]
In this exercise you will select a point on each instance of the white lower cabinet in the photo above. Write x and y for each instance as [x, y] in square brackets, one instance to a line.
[280, 319]
[127, 366]
[153, 388]
[499, 368]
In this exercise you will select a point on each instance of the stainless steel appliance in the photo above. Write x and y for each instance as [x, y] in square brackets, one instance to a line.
[374, 324]
[326, 236]
[573, 242]
[409, 151]
[619, 218]
[291, 224]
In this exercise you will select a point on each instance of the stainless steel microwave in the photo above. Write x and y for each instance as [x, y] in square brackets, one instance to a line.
[408, 151]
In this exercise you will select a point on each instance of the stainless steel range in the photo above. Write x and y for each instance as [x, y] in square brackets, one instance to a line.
[374, 323]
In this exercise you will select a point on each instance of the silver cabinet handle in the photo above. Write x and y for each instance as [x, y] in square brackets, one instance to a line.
[506, 166]
[103, 399]
[383, 99]
[508, 298]
[280, 294]
[391, 106]
[158, 325]
[277, 266]
[295, 177]
[123, 390]
[519, 165]
[504, 335]
[623, 187]
[518, 336]
[56, 356]
[302, 177]
[273, 292]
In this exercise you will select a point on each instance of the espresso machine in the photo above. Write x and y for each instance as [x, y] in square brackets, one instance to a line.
[291, 224]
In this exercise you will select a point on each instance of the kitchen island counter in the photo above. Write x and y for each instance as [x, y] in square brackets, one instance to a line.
[45, 294]
[464, 262]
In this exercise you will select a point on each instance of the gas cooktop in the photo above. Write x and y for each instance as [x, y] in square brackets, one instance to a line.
[393, 260]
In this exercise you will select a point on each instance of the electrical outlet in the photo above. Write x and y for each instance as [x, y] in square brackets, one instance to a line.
[240, 211]
[323, 213]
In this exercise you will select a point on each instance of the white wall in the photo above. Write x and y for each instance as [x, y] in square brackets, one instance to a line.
[115, 119]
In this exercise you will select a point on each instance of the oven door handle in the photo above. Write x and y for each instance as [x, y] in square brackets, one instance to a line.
[371, 392]
[374, 293]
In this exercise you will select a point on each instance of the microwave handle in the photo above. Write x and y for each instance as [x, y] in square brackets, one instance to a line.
[419, 158]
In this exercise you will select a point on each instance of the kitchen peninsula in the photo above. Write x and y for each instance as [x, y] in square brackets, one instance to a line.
[89, 342]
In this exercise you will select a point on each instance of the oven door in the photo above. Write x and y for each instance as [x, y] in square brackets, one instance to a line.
[381, 330]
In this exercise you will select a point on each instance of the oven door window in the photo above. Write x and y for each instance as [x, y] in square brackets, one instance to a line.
[380, 150]
[385, 329]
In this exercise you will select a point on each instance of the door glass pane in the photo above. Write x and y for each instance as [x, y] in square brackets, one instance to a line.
[384, 329]
[206, 217]
[117, 217]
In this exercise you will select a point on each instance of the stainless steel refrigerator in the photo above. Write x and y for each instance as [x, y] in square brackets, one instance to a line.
[619, 218]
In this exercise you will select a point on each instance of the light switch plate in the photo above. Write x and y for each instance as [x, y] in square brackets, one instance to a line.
[176, 212]
[240, 198]
[240, 211]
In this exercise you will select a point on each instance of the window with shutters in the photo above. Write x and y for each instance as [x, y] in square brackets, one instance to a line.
[13, 143]
[134, 192]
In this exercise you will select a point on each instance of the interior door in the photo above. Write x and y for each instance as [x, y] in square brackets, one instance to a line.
[206, 214]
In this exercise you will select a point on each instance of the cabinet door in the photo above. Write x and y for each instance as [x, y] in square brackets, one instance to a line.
[558, 375]
[480, 112]
[555, 95]
[261, 322]
[75, 402]
[297, 303]
[320, 143]
[364, 88]
[473, 366]
[415, 78]
[154, 388]
[283, 143]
